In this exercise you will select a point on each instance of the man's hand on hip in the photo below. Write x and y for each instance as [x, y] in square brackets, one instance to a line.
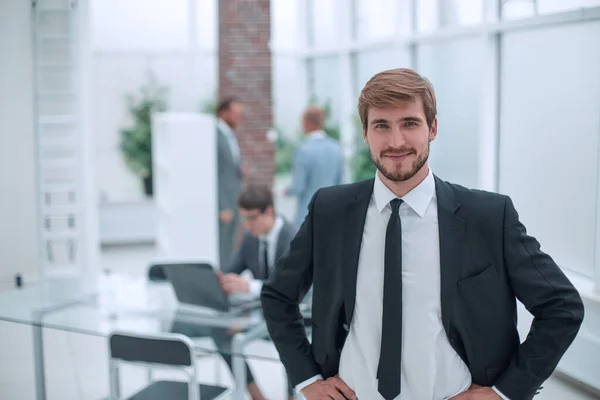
[332, 388]
[477, 392]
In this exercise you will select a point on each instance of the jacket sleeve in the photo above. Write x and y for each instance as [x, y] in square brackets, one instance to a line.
[550, 297]
[225, 200]
[239, 264]
[281, 296]
[300, 172]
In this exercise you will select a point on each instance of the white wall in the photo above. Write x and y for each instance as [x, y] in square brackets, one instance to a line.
[18, 190]
[117, 75]
[130, 39]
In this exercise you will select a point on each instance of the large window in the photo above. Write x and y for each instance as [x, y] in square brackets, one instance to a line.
[454, 69]
[322, 22]
[376, 19]
[503, 97]
[369, 62]
[325, 83]
[549, 137]
[516, 9]
[284, 24]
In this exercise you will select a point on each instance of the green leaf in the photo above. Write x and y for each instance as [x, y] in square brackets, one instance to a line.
[136, 140]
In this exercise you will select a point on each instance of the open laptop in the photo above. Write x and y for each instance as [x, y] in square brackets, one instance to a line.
[197, 285]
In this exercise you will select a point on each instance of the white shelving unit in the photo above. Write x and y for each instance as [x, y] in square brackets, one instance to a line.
[59, 136]
[185, 186]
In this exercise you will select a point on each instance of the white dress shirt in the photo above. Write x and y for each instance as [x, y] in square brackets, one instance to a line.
[319, 134]
[271, 239]
[231, 140]
[431, 368]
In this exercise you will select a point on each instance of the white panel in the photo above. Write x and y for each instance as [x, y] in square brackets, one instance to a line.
[126, 223]
[428, 15]
[322, 23]
[206, 23]
[369, 63]
[134, 24]
[284, 23]
[554, 6]
[287, 109]
[461, 12]
[205, 81]
[517, 9]
[376, 19]
[454, 68]
[185, 173]
[550, 116]
[18, 203]
[326, 83]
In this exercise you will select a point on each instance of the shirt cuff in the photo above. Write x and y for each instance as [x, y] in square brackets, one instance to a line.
[499, 393]
[307, 382]
[255, 287]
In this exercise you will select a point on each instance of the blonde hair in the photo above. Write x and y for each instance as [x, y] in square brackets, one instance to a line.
[394, 88]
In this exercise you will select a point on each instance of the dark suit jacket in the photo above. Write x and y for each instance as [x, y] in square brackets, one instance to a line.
[487, 262]
[229, 174]
[247, 256]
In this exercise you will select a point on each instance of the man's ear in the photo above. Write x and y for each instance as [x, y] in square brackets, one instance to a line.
[365, 138]
[433, 130]
[270, 211]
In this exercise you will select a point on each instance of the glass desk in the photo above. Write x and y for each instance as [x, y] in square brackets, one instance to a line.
[136, 306]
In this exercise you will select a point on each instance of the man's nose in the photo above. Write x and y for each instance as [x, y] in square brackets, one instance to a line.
[397, 139]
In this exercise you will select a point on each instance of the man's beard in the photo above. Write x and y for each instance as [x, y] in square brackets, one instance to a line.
[399, 176]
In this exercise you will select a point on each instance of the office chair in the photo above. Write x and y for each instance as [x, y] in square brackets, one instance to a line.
[167, 351]
[156, 273]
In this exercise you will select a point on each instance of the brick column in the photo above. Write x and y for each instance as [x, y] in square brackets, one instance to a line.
[245, 72]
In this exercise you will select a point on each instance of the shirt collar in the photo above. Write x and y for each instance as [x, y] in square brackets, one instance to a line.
[272, 236]
[316, 134]
[418, 199]
[224, 126]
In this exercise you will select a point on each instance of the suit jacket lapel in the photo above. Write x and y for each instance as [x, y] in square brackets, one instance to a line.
[354, 217]
[451, 231]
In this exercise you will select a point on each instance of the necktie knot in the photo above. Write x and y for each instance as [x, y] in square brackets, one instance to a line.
[395, 204]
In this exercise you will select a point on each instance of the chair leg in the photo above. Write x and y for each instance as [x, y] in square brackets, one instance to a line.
[217, 370]
[114, 380]
[193, 389]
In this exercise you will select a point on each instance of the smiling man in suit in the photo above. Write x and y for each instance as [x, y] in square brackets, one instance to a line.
[268, 236]
[415, 280]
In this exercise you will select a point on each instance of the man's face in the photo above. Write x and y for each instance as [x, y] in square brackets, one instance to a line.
[399, 139]
[233, 116]
[257, 222]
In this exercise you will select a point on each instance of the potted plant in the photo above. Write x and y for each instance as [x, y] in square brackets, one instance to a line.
[136, 141]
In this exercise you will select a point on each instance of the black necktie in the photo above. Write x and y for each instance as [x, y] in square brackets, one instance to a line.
[265, 259]
[390, 356]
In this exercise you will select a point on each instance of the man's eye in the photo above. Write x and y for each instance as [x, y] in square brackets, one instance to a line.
[380, 126]
[410, 123]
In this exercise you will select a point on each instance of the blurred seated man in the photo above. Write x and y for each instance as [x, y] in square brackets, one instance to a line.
[268, 236]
